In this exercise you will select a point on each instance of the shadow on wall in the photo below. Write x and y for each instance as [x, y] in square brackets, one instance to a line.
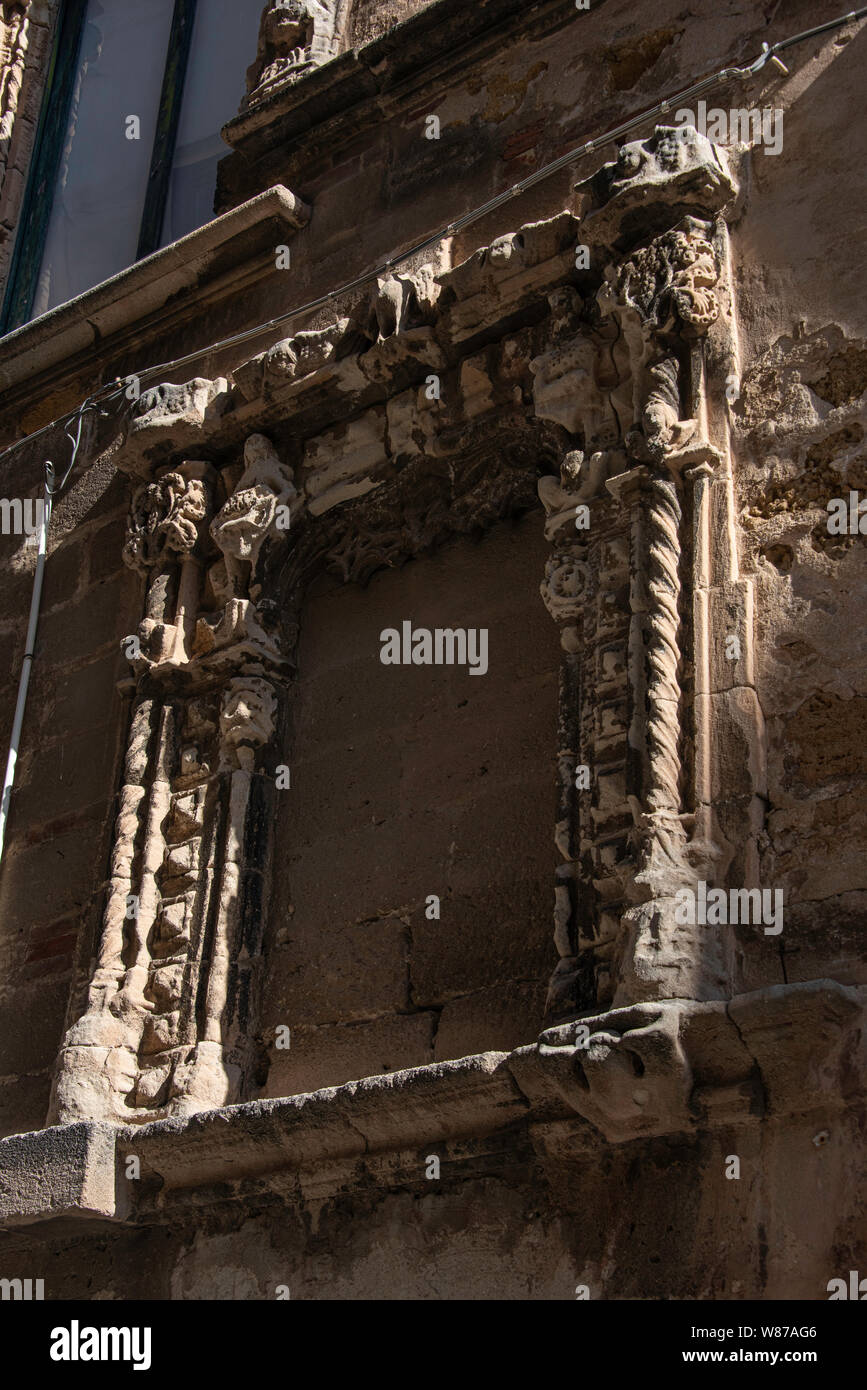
[411, 916]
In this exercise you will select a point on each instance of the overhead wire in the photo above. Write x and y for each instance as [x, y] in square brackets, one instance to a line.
[120, 386]
[74, 421]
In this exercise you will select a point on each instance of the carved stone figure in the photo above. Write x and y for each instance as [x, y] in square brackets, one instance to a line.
[170, 415]
[251, 513]
[294, 37]
[675, 165]
[247, 715]
[581, 479]
[234, 635]
[661, 291]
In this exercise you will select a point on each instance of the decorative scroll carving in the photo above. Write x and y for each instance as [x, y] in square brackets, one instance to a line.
[564, 583]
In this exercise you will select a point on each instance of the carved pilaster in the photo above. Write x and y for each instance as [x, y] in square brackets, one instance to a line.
[170, 1021]
[647, 379]
[662, 293]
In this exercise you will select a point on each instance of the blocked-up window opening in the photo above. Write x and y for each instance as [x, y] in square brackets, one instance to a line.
[412, 783]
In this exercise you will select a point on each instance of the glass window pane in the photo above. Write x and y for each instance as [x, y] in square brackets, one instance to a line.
[223, 47]
[99, 196]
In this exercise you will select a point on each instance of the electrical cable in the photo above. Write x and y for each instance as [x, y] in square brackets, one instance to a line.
[769, 53]
[53, 488]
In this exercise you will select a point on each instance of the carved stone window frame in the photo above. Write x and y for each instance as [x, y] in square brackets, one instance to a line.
[607, 369]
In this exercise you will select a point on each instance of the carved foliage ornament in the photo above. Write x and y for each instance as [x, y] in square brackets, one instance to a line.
[164, 517]
[672, 279]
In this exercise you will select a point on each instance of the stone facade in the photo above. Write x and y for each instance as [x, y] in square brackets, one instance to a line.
[279, 914]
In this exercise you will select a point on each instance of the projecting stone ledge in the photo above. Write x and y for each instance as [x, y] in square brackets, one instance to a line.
[68, 1170]
[197, 273]
[632, 1074]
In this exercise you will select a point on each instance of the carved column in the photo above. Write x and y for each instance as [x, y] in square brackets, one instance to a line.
[25, 38]
[660, 295]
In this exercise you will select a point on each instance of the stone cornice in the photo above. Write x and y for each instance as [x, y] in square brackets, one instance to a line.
[203, 268]
[674, 1067]
[321, 378]
[344, 95]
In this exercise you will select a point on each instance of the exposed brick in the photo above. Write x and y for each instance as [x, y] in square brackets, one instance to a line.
[523, 140]
[59, 946]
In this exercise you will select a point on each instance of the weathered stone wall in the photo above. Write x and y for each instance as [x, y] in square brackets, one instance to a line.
[401, 790]
[801, 423]
[370, 19]
[408, 782]
[509, 1217]
[63, 808]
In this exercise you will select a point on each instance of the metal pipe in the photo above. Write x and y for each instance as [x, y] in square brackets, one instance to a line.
[52, 488]
[27, 663]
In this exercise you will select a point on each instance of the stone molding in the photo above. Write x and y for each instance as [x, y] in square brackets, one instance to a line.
[149, 297]
[783, 1055]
